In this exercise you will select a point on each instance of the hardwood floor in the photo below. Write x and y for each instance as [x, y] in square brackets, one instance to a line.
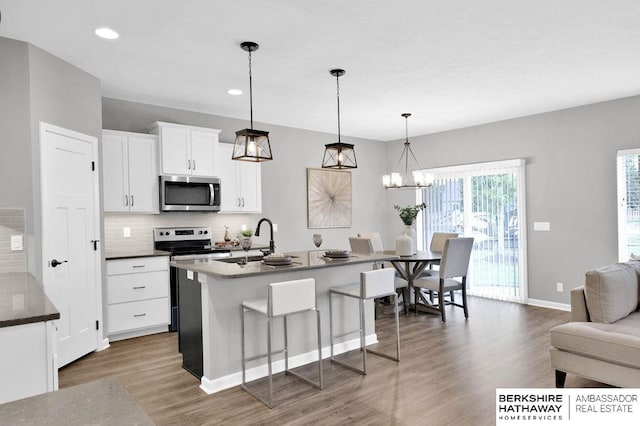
[448, 374]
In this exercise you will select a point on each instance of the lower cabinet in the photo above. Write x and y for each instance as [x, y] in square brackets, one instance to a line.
[137, 296]
[28, 365]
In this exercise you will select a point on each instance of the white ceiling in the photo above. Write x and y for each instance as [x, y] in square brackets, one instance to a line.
[452, 63]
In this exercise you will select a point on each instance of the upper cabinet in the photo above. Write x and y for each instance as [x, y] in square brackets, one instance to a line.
[129, 172]
[240, 183]
[186, 150]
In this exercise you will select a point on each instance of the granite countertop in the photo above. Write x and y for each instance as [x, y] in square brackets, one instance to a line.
[109, 255]
[22, 301]
[302, 260]
[103, 402]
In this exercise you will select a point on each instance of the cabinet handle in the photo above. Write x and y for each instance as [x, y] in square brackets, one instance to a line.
[132, 201]
[126, 200]
[238, 202]
[139, 315]
[194, 164]
[242, 202]
[189, 164]
[138, 287]
[138, 266]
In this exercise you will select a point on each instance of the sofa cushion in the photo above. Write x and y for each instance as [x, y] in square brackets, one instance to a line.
[618, 343]
[611, 293]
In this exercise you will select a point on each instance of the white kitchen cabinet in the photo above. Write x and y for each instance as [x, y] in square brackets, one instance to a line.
[240, 183]
[129, 172]
[28, 364]
[137, 296]
[186, 150]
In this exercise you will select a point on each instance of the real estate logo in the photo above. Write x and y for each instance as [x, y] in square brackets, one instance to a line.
[567, 406]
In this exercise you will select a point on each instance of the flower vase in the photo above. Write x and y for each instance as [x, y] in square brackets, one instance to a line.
[404, 243]
[411, 232]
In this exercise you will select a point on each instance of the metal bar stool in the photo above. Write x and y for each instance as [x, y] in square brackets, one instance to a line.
[373, 284]
[283, 299]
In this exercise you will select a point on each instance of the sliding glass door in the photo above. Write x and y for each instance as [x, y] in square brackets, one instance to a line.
[484, 201]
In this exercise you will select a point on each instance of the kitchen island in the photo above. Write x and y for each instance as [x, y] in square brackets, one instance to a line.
[222, 286]
[27, 338]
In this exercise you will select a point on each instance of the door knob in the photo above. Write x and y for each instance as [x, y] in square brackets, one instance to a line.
[56, 262]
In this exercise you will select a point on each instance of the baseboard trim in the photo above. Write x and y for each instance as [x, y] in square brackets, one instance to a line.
[550, 305]
[235, 379]
[104, 344]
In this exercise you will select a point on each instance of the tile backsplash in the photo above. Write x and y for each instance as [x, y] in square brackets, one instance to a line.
[12, 223]
[141, 228]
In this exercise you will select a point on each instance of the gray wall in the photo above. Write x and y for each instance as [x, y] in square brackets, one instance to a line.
[284, 180]
[35, 87]
[571, 182]
[15, 142]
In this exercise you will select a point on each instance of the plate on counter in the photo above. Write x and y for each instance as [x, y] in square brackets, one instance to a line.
[337, 254]
[277, 261]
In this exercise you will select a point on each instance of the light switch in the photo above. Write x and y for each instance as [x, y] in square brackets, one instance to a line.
[541, 226]
[189, 275]
[16, 242]
[126, 232]
[275, 227]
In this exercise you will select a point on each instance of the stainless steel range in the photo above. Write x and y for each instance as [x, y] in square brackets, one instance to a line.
[183, 244]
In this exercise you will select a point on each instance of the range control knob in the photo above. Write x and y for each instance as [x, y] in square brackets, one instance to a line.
[161, 233]
[167, 233]
[206, 232]
[200, 232]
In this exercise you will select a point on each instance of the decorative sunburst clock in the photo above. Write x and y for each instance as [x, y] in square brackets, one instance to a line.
[328, 198]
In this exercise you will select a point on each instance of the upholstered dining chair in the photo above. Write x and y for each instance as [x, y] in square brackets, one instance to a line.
[438, 239]
[454, 264]
[376, 240]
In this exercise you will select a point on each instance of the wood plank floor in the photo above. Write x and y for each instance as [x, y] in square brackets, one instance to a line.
[448, 374]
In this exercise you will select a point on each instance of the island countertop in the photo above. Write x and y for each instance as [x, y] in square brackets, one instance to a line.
[22, 301]
[302, 260]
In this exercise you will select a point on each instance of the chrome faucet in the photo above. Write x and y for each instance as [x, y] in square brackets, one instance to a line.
[272, 246]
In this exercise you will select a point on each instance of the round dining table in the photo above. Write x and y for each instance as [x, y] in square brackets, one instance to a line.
[411, 267]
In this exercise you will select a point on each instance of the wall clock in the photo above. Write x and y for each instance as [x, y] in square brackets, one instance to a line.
[328, 198]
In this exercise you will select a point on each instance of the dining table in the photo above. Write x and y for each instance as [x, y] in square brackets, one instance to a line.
[411, 267]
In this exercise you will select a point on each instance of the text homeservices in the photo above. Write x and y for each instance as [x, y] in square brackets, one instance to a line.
[606, 403]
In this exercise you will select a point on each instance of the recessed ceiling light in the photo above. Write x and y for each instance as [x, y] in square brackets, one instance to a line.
[234, 92]
[108, 33]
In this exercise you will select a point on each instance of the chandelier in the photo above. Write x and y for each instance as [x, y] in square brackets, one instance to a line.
[419, 179]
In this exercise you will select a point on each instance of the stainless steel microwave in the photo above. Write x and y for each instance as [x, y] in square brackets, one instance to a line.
[186, 193]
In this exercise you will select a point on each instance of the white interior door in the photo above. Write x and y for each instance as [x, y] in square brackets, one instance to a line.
[70, 224]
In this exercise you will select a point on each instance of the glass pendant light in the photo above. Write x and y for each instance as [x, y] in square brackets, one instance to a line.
[419, 178]
[339, 155]
[251, 144]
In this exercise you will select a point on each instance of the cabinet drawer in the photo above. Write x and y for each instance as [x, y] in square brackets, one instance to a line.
[135, 315]
[132, 287]
[139, 264]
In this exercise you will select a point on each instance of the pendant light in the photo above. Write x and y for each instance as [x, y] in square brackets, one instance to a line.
[397, 180]
[339, 155]
[251, 144]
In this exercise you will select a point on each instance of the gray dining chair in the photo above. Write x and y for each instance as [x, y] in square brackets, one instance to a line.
[438, 239]
[451, 276]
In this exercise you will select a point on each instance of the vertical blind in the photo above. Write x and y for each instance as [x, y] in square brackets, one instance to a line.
[484, 201]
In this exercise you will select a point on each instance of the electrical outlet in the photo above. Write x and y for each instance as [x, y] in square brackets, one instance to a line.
[126, 232]
[275, 227]
[560, 287]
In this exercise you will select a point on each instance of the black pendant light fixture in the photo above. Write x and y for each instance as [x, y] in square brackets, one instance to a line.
[251, 144]
[419, 179]
[339, 155]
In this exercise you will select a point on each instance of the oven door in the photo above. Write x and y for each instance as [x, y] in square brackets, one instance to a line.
[186, 193]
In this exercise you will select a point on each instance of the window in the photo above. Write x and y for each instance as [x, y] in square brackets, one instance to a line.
[484, 201]
[628, 204]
